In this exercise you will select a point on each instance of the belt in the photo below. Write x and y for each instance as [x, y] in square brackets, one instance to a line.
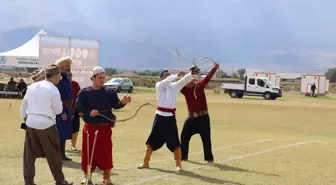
[166, 109]
[67, 103]
[98, 124]
[198, 114]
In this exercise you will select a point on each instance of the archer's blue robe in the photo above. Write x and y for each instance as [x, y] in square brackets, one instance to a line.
[65, 127]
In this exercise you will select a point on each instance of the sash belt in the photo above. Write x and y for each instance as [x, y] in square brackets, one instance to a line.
[166, 109]
[198, 114]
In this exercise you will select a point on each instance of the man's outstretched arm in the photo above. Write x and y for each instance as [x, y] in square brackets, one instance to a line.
[186, 78]
[164, 83]
[208, 77]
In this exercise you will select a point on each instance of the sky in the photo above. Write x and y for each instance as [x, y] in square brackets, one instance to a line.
[291, 34]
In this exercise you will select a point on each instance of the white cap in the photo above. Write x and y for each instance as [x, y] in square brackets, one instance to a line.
[97, 70]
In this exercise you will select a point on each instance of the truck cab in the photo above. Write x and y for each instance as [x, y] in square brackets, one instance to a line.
[253, 86]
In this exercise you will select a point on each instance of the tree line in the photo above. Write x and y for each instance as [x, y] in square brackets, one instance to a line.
[331, 74]
[239, 74]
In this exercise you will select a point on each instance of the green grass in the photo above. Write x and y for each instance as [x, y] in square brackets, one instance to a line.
[144, 90]
[254, 141]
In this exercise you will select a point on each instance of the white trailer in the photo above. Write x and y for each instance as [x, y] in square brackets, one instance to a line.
[321, 82]
[327, 85]
[273, 77]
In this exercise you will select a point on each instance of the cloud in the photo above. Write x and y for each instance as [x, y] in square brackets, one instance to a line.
[283, 34]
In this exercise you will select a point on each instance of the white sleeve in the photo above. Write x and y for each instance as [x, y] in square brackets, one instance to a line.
[24, 106]
[164, 83]
[56, 101]
[183, 81]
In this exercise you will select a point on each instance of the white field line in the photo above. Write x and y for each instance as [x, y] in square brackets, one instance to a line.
[143, 180]
[217, 149]
[200, 152]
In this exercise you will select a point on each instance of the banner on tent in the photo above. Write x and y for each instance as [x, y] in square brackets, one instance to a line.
[82, 76]
[84, 53]
[19, 61]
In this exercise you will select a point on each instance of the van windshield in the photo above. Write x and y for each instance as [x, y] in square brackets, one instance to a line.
[115, 80]
[268, 82]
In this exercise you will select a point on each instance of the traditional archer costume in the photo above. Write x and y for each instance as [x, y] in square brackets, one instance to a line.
[65, 126]
[164, 127]
[198, 121]
[75, 120]
[103, 100]
[39, 107]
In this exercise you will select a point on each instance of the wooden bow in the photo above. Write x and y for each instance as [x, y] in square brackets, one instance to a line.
[126, 119]
[193, 60]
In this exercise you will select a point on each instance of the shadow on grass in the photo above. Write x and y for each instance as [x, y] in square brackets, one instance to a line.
[77, 165]
[197, 176]
[261, 98]
[74, 153]
[223, 167]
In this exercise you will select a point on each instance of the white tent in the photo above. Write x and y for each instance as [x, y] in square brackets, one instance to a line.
[26, 55]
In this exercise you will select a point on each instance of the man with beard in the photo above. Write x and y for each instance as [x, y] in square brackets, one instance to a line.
[64, 120]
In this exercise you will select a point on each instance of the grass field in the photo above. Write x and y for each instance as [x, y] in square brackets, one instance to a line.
[285, 142]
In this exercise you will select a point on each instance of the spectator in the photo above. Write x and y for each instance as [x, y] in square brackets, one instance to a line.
[313, 88]
[11, 85]
[22, 87]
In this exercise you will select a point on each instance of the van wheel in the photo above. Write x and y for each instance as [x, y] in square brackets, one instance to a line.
[233, 94]
[267, 96]
[130, 90]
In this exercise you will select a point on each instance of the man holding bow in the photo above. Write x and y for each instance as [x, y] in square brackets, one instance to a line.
[96, 103]
[198, 121]
[164, 127]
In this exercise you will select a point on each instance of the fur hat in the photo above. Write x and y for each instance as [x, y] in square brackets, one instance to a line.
[97, 70]
[64, 60]
[38, 75]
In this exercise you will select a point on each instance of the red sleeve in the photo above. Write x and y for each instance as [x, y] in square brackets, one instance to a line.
[75, 90]
[184, 90]
[208, 77]
[78, 87]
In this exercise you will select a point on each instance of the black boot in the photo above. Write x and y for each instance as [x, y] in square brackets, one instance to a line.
[64, 157]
